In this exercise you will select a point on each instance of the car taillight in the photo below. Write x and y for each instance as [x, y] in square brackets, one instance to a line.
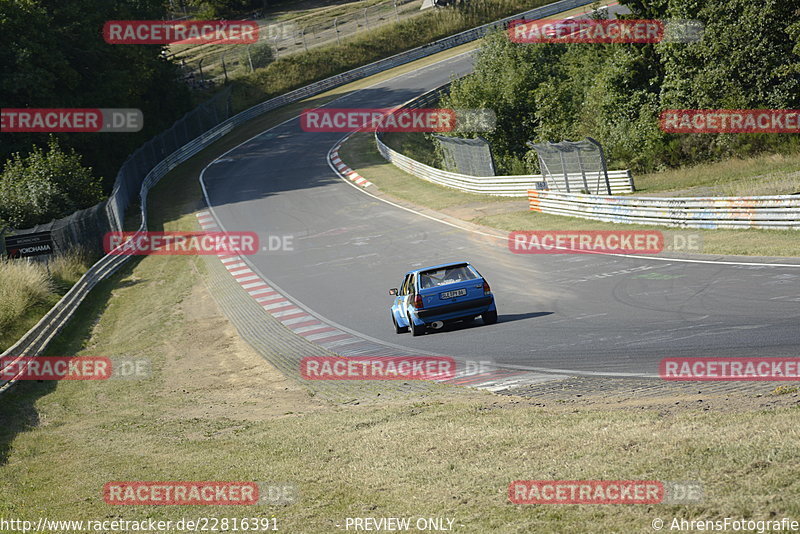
[418, 302]
[486, 288]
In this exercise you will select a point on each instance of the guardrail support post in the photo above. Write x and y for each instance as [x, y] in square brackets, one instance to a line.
[564, 170]
[602, 161]
[583, 173]
[224, 68]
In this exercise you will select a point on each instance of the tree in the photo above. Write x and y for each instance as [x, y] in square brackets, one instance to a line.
[748, 58]
[52, 55]
[45, 185]
[260, 54]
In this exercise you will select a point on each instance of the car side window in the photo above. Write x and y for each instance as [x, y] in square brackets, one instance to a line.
[404, 287]
[412, 284]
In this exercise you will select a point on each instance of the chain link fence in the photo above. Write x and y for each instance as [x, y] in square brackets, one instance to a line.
[36, 340]
[472, 157]
[208, 65]
[574, 166]
[86, 228]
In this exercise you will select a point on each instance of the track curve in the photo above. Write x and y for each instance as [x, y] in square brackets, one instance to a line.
[583, 314]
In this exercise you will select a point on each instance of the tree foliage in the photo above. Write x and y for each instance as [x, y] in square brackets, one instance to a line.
[45, 185]
[259, 55]
[52, 55]
[218, 9]
[749, 57]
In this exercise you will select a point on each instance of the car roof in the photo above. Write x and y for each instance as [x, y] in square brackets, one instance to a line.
[442, 266]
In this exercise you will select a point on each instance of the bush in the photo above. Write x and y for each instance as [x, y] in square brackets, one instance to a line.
[296, 70]
[27, 284]
[22, 285]
[261, 55]
[42, 186]
[615, 92]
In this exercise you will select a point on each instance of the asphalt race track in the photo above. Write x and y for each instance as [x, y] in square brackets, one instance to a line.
[576, 312]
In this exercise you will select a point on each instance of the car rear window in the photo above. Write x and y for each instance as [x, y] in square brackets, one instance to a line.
[446, 275]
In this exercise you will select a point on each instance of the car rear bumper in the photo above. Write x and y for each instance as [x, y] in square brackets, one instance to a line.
[457, 309]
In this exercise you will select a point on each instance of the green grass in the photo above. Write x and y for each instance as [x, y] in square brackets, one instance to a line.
[435, 459]
[202, 417]
[452, 455]
[29, 289]
[296, 70]
[768, 174]
[310, 15]
[415, 145]
[359, 152]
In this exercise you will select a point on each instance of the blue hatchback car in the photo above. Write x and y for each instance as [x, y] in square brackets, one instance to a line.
[434, 296]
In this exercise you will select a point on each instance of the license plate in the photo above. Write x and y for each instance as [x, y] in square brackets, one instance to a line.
[452, 294]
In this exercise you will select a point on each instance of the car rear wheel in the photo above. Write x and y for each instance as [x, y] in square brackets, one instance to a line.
[490, 317]
[398, 329]
[416, 330]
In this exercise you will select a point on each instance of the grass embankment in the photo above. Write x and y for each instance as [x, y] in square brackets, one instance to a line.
[29, 289]
[39, 303]
[765, 174]
[297, 70]
[214, 410]
[758, 176]
[313, 17]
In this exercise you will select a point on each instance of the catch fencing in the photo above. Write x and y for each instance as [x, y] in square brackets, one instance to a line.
[86, 228]
[779, 212]
[34, 342]
[621, 181]
[212, 64]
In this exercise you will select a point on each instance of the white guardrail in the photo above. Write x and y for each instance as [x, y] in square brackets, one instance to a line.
[35, 341]
[506, 186]
[780, 212]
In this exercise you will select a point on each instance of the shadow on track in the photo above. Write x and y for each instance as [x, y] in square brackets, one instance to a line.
[508, 318]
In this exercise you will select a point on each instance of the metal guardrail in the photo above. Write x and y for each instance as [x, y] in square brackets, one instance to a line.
[779, 212]
[506, 186]
[35, 341]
